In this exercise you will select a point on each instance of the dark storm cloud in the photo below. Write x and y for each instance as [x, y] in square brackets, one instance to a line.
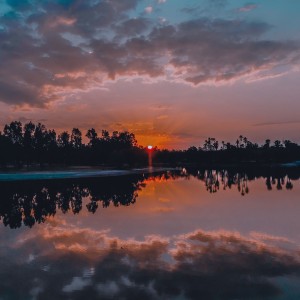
[49, 48]
[220, 265]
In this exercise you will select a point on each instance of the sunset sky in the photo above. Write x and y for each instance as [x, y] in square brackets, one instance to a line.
[173, 72]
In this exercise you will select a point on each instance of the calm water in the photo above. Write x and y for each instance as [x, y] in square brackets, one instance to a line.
[189, 234]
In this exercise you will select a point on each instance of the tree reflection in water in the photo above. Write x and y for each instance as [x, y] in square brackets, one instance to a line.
[226, 179]
[32, 202]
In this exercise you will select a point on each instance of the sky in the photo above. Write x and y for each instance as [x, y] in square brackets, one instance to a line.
[173, 72]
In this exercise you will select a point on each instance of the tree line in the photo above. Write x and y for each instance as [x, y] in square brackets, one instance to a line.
[33, 144]
[243, 151]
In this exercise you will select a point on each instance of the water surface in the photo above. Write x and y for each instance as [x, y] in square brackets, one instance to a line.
[188, 234]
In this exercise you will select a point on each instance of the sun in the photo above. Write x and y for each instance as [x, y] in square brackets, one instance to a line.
[150, 147]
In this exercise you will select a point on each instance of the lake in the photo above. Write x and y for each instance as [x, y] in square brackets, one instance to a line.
[170, 234]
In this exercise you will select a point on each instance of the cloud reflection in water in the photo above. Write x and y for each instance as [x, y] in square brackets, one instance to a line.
[72, 263]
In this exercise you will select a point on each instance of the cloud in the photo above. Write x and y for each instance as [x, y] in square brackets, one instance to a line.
[132, 27]
[164, 200]
[162, 117]
[277, 123]
[148, 9]
[247, 7]
[216, 265]
[162, 209]
[53, 49]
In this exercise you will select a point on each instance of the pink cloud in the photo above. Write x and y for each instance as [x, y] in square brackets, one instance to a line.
[247, 8]
[149, 9]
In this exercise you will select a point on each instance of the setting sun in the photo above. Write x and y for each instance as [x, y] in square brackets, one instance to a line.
[150, 147]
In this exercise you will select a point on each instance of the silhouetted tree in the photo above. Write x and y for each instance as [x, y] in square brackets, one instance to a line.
[92, 135]
[28, 141]
[76, 138]
[14, 132]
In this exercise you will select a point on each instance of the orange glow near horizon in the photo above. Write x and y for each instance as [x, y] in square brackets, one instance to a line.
[161, 141]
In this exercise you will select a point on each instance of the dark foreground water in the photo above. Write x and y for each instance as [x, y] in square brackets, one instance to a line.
[189, 234]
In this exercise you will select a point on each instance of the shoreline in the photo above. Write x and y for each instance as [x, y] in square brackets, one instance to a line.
[77, 173]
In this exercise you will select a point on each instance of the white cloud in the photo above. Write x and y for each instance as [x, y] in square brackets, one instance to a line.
[148, 9]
